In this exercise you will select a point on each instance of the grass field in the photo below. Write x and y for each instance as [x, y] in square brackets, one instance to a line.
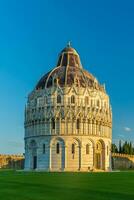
[66, 186]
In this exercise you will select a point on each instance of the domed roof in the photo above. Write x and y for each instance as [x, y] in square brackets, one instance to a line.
[68, 71]
[69, 49]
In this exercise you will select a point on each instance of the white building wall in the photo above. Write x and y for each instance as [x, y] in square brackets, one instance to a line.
[66, 160]
[90, 116]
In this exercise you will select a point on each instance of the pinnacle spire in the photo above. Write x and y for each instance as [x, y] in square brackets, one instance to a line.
[69, 44]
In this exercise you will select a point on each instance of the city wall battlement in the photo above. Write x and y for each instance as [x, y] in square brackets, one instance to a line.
[122, 161]
[11, 161]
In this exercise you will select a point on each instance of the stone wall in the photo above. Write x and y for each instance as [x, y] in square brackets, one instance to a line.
[66, 159]
[122, 161]
[11, 161]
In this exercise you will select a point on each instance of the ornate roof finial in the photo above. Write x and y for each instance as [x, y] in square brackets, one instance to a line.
[69, 44]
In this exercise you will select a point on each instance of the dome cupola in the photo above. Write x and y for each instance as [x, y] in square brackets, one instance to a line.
[69, 57]
[68, 71]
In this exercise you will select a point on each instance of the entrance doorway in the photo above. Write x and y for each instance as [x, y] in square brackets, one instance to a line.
[34, 162]
[98, 161]
[100, 155]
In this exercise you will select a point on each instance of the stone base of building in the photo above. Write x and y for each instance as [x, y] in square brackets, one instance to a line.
[67, 153]
[68, 170]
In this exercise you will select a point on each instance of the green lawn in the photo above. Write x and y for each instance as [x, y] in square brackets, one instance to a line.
[66, 186]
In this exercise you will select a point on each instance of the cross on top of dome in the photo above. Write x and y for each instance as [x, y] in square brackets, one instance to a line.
[69, 44]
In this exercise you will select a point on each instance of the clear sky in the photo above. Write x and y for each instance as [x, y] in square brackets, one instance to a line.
[32, 33]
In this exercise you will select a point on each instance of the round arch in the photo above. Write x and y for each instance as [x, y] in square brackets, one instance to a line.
[100, 155]
[74, 154]
[88, 153]
[33, 154]
[57, 154]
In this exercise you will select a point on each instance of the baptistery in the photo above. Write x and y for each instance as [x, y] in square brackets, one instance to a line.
[68, 120]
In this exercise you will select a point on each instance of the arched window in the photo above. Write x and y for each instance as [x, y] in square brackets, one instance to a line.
[86, 100]
[44, 148]
[98, 103]
[99, 146]
[33, 144]
[78, 124]
[92, 102]
[72, 99]
[87, 149]
[58, 148]
[58, 99]
[46, 100]
[73, 148]
[99, 128]
[53, 123]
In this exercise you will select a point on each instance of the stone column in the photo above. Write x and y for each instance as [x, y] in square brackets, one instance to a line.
[60, 126]
[50, 166]
[65, 168]
[80, 156]
[81, 127]
[74, 127]
[95, 131]
[50, 126]
[104, 156]
[86, 127]
[94, 158]
[66, 126]
[91, 128]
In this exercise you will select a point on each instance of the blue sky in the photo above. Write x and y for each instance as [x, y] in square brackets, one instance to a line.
[32, 33]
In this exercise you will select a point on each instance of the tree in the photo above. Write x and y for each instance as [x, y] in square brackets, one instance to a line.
[120, 147]
[130, 148]
[114, 148]
[125, 148]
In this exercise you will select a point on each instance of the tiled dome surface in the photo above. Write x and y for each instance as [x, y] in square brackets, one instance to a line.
[67, 72]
